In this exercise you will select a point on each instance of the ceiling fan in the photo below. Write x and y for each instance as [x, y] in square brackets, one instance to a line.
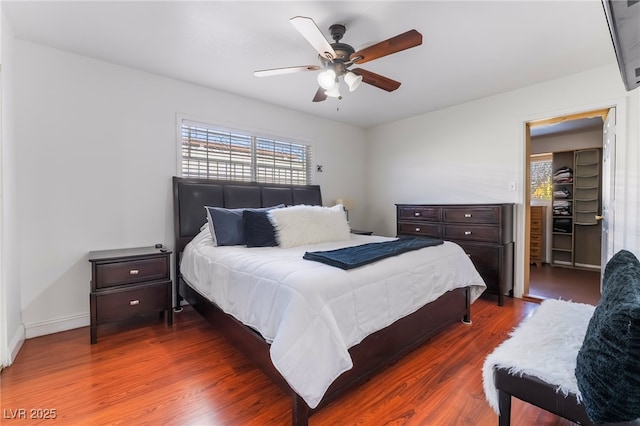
[336, 59]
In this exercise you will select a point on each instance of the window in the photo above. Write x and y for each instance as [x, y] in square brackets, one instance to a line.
[541, 176]
[212, 153]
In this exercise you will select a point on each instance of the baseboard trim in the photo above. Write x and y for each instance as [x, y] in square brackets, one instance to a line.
[587, 266]
[14, 345]
[57, 325]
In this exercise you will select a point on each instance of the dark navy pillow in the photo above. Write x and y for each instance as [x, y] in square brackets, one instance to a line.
[608, 363]
[258, 229]
[226, 225]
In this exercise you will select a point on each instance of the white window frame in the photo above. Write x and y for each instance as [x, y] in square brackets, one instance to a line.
[256, 138]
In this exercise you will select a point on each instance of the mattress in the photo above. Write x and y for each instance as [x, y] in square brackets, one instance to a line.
[312, 313]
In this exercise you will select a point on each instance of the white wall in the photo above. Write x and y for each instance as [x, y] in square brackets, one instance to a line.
[96, 149]
[468, 153]
[12, 331]
[570, 141]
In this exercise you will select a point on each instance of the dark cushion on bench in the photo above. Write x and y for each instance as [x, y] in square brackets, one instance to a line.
[608, 363]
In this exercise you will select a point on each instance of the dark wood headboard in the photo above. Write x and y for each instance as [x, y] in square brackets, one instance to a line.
[191, 195]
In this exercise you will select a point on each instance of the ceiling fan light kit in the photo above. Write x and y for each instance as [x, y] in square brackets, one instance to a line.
[327, 79]
[352, 80]
[334, 92]
[336, 59]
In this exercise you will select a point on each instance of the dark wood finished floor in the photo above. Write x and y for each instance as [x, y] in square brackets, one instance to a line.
[577, 285]
[190, 375]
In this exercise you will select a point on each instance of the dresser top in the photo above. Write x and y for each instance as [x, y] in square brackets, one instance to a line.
[454, 205]
[95, 256]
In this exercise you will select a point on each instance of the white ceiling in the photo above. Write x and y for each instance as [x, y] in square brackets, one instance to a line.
[578, 125]
[470, 50]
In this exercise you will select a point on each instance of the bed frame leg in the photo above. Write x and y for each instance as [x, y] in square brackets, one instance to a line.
[299, 411]
[467, 314]
[504, 405]
[178, 305]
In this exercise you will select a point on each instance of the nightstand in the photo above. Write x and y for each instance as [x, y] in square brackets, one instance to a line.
[129, 283]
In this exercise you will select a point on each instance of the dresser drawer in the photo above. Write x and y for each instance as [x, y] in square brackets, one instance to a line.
[130, 271]
[536, 226]
[492, 280]
[535, 252]
[419, 213]
[536, 213]
[484, 258]
[432, 230]
[536, 240]
[471, 214]
[125, 304]
[489, 234]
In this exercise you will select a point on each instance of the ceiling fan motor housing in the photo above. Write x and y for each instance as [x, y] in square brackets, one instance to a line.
[343, 51]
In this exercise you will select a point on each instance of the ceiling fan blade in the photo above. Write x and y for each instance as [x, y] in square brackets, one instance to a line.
[320, 95]
[411, 38]
[314, 36]
[377, 80]
[286, 70]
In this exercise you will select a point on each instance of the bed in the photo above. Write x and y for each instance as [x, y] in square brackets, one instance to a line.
[357, 351]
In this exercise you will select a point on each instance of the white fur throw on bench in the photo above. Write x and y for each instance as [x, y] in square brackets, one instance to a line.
[544, 345]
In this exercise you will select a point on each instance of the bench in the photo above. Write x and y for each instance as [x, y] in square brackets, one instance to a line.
[575, 360]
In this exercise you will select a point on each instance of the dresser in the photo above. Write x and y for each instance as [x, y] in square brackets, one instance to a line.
[127, 283]
[536, 236]
[484, 231]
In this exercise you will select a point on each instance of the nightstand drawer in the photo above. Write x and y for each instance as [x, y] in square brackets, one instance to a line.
[131, 271]
[123, 304]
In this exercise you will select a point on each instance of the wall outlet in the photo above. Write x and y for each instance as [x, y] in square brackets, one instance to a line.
[512, 186]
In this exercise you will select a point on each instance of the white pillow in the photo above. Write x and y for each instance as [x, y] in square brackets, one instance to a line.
[301, 225]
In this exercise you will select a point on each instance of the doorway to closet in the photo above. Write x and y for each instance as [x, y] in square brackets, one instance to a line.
[565, 177]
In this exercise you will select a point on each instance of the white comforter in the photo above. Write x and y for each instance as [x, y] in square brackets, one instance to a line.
[312, 313]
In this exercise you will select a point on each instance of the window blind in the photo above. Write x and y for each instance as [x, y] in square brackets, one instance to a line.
[541, 176]
[212, 153]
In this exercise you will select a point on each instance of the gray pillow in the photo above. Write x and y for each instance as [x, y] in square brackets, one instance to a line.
[608, 363]
[226, 225]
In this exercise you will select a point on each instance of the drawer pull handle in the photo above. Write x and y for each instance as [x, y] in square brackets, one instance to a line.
[417, 229]
[467, 232]
[416, 214]
[133, 272]
[134, 302]
[467, 215]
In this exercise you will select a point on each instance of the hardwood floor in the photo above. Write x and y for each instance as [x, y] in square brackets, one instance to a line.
[577, 285]
[190, 375]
